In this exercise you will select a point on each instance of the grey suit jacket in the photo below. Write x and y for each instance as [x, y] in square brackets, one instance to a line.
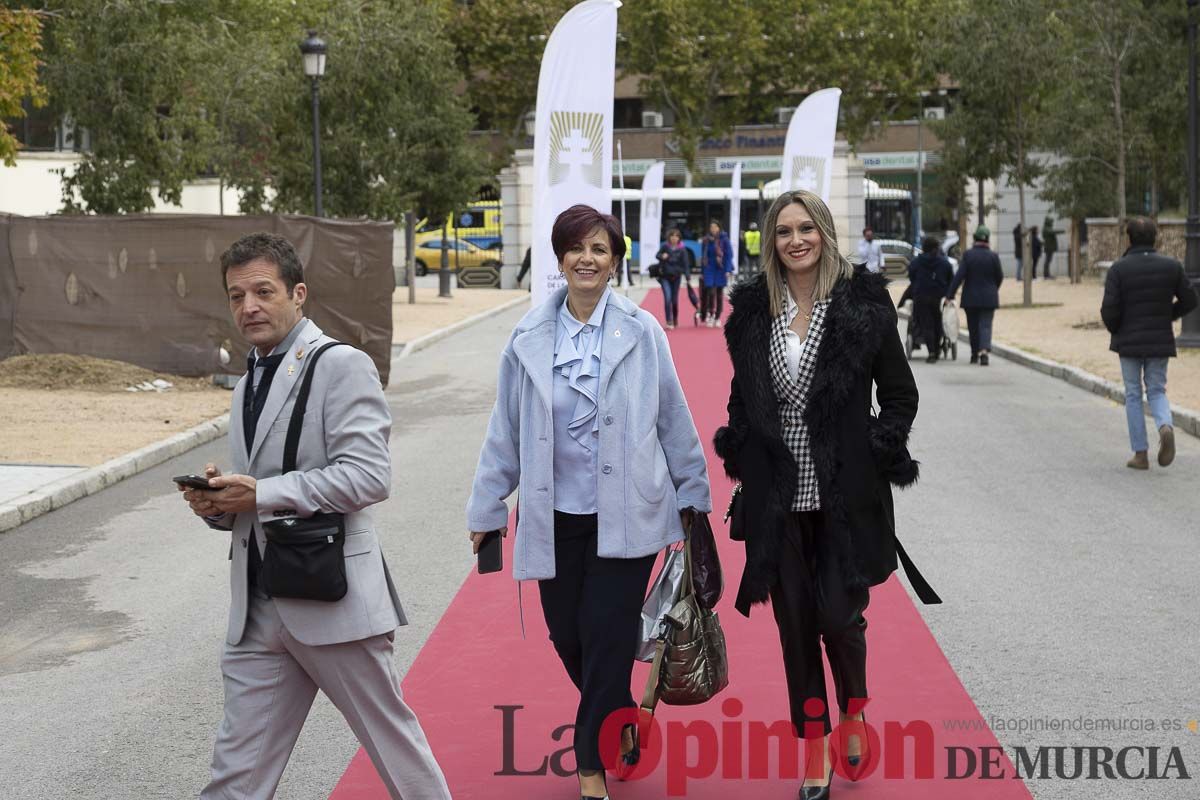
[343, 464]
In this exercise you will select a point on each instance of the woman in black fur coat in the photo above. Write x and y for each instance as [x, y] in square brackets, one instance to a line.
[808, 336]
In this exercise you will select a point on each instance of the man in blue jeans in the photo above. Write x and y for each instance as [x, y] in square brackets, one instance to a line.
[1145, 292]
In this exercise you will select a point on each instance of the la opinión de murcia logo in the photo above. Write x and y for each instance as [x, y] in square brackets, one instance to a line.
[737, 748]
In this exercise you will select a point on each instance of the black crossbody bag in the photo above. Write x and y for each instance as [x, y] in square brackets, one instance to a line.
[304, 557]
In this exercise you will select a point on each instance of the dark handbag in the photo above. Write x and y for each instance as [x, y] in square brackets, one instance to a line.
[735, 515]
[304, 558]
[707, 580]
[690, 664]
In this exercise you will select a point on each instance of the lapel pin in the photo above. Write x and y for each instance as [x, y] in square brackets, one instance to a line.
[300, 353]
[291, 369]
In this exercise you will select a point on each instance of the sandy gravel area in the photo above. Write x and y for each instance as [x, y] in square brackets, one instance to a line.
[75, 410]
[431, 312]
[1071, 332]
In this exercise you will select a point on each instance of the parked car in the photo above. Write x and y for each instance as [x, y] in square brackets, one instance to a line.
[897, 253]
[461, 253]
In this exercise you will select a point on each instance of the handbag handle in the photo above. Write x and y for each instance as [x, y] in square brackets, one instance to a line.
[292, 443]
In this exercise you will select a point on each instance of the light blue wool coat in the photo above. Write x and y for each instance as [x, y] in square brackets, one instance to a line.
[651, 463]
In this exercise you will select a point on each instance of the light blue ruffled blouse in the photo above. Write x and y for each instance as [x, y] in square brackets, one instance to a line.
[576, 424]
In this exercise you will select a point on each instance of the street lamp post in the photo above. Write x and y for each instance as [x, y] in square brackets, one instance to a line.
[1190, 337]
[314, 51]
[920, 167]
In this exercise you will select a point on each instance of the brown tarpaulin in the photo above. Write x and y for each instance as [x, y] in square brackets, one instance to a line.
[146, 289]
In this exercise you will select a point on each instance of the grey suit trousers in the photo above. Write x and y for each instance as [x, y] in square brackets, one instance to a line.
[270, 682]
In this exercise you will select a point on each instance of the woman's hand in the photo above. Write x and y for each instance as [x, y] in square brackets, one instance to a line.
[687, 516]
[476, 538]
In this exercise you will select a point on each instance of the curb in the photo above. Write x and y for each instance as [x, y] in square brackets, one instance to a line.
[90, 481]
[421, 342]
[1184, 419]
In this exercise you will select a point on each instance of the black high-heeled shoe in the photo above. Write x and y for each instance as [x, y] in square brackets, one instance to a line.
[817, 792]
[628, 761]
[854, 761]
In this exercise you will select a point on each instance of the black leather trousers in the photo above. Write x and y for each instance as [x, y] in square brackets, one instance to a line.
[812, 604]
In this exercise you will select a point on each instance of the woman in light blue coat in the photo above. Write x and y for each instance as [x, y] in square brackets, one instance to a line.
[591, 425]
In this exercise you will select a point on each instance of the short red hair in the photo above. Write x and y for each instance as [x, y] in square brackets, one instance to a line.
[574, 225]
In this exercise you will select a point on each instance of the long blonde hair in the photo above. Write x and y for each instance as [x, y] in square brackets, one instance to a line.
[833, 265]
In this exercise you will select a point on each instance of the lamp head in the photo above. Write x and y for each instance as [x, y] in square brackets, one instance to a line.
[314, 50]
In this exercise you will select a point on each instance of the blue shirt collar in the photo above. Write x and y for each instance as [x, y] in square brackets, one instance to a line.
[573, 325]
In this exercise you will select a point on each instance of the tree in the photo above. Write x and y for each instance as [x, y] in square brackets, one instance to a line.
[394, 135]
[20, 44]
[1004, 60]
[499, 46]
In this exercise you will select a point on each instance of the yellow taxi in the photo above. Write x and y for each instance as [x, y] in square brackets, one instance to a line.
[459, 253]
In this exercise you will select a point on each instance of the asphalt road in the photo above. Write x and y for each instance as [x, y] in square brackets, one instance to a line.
[1069, 581]
[113, 609]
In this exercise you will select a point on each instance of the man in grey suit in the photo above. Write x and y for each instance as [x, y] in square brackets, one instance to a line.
[280, 651]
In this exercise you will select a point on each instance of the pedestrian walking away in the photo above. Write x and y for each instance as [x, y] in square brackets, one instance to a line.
[807, 338]
[718, 264]
[929, 277]
[753, 239]
[1049, 245]
[525, 262]
[1144, 293]
[980, 275]
[284, 641]
[1035, 251]
[671, 267]
[870, 252]
[591, 424]
[1018, 249]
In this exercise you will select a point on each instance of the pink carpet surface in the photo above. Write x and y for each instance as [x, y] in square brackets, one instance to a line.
[498, 707]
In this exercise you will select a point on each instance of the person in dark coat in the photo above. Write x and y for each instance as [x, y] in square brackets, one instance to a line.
[1144, 293]
[1049, 244]
[1017, 248]
[980, 276]
[1035, 249]
[672, 265]
[929, 277]
[718, 263]
[808, 336]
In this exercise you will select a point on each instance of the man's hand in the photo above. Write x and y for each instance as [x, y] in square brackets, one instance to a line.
[476, 538]
[199, 499]
[235, 494]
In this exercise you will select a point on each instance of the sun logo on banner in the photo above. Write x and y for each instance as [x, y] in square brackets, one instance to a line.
[808, 173]
[576, 148]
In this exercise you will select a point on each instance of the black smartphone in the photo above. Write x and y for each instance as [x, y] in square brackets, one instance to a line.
[193, 481]
[491, 553]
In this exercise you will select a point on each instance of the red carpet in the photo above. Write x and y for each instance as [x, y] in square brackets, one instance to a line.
[475, 661]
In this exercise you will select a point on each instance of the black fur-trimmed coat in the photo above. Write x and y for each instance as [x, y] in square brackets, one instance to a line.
[857, 454]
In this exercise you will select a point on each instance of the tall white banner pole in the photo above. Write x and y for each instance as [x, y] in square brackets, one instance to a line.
[572, 143]
[651, 217]
[735, 215]
[808, 149]
[624, 224]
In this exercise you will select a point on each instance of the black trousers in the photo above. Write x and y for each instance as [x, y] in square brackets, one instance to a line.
[928, 316]
[714, 301]
[811, 604]
[593, 610]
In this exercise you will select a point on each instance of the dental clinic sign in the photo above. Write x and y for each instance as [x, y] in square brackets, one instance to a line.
[906, 161]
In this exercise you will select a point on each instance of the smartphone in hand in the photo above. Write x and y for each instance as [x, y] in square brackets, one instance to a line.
[491, 553]
[193, 482]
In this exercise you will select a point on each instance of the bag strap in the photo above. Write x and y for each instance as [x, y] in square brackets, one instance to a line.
[650, 696]
[292, 443]
[921, 587]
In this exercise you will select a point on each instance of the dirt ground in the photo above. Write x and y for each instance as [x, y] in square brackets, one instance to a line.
[1070, 331]
[64, 409]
